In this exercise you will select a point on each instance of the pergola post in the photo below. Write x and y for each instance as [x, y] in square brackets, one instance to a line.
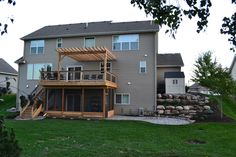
[58, 66]
[105, 65]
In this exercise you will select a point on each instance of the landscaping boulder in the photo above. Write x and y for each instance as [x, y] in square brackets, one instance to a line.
[159, 96]
[170, 107]
[170, 96]
[206, 107]
[169, 100]
[186, 108]
[160, 107]
[167, 112]
[160, 111]
[175, 112]
[179, 108]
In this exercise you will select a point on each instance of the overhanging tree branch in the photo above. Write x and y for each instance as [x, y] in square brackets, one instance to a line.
[170, 13]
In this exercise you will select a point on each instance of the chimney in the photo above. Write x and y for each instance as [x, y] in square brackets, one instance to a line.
[151, 22]
[86, 25]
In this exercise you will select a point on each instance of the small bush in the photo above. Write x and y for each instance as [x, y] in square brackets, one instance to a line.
[8, 144]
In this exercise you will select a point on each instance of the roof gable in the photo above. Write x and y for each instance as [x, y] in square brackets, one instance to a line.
[169, 60]
[6, 68]
[92, 28]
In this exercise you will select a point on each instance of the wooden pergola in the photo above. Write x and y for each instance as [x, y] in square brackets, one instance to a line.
[83, 54]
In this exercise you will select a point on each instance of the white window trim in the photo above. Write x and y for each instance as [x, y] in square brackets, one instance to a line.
[90, 37]
[100, 66]
[122, 42]
[59, 42]
[72, 66]
[37, 48]
[142, 67]
[121, 99]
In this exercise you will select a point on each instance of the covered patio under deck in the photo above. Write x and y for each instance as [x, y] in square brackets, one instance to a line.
[79, 102]
[80, 93]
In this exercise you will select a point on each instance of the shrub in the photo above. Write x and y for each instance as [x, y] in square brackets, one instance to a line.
[8, 144]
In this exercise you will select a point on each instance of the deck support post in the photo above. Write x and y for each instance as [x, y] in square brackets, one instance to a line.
[104, 103]
[82, 102]
[63, 100]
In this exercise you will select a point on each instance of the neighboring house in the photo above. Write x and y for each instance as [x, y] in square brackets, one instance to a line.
[174, 83]
[8, 74]
[232, 68]
[169, 62]
[196, 88]
[75, 81]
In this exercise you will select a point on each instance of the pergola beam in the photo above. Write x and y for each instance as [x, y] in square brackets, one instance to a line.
[87, 54]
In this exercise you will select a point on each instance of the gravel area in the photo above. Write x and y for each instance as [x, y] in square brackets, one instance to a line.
[155, 120]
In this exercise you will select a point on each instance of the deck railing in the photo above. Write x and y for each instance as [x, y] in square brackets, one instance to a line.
[84, 75]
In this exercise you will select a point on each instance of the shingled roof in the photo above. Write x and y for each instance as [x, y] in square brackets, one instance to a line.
[6, 68]
[174, 75]
[92, 28]
[169, 60]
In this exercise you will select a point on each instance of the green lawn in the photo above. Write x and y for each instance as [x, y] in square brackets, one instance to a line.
[9, 101]
[229, 106]
[103, 138]
[60, 138]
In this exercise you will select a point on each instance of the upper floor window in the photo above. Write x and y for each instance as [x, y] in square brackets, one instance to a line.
[142, 67]
[59, 42]
[33, 70]
[125, 42]
[89, 42]
[37, 46]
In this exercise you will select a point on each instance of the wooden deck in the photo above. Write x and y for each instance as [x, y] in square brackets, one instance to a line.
[78, 78]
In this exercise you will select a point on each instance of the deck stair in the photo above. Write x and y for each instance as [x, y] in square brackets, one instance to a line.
[35, 104]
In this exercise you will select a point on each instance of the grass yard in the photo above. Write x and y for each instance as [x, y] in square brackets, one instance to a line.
[73, 138]
[229, 106]
[103, 138]
[9, 101]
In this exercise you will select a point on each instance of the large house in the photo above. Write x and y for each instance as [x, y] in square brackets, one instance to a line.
[95, 69]
[8, 74]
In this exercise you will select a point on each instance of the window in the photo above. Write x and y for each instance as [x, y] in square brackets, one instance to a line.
[59, 42]
[122, 98]
[125, 42]
[142, 67]
[89, 42]
[33, 70]
[37, 46]
[109, 66]
[175, 81]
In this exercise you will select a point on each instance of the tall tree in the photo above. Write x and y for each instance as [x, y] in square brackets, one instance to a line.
[171, 13]
[4, 25]
[210, 74]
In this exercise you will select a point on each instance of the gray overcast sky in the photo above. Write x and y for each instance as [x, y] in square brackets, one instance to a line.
[31, 15]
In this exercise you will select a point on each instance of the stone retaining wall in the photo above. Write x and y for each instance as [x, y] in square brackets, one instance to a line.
[182, 105]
